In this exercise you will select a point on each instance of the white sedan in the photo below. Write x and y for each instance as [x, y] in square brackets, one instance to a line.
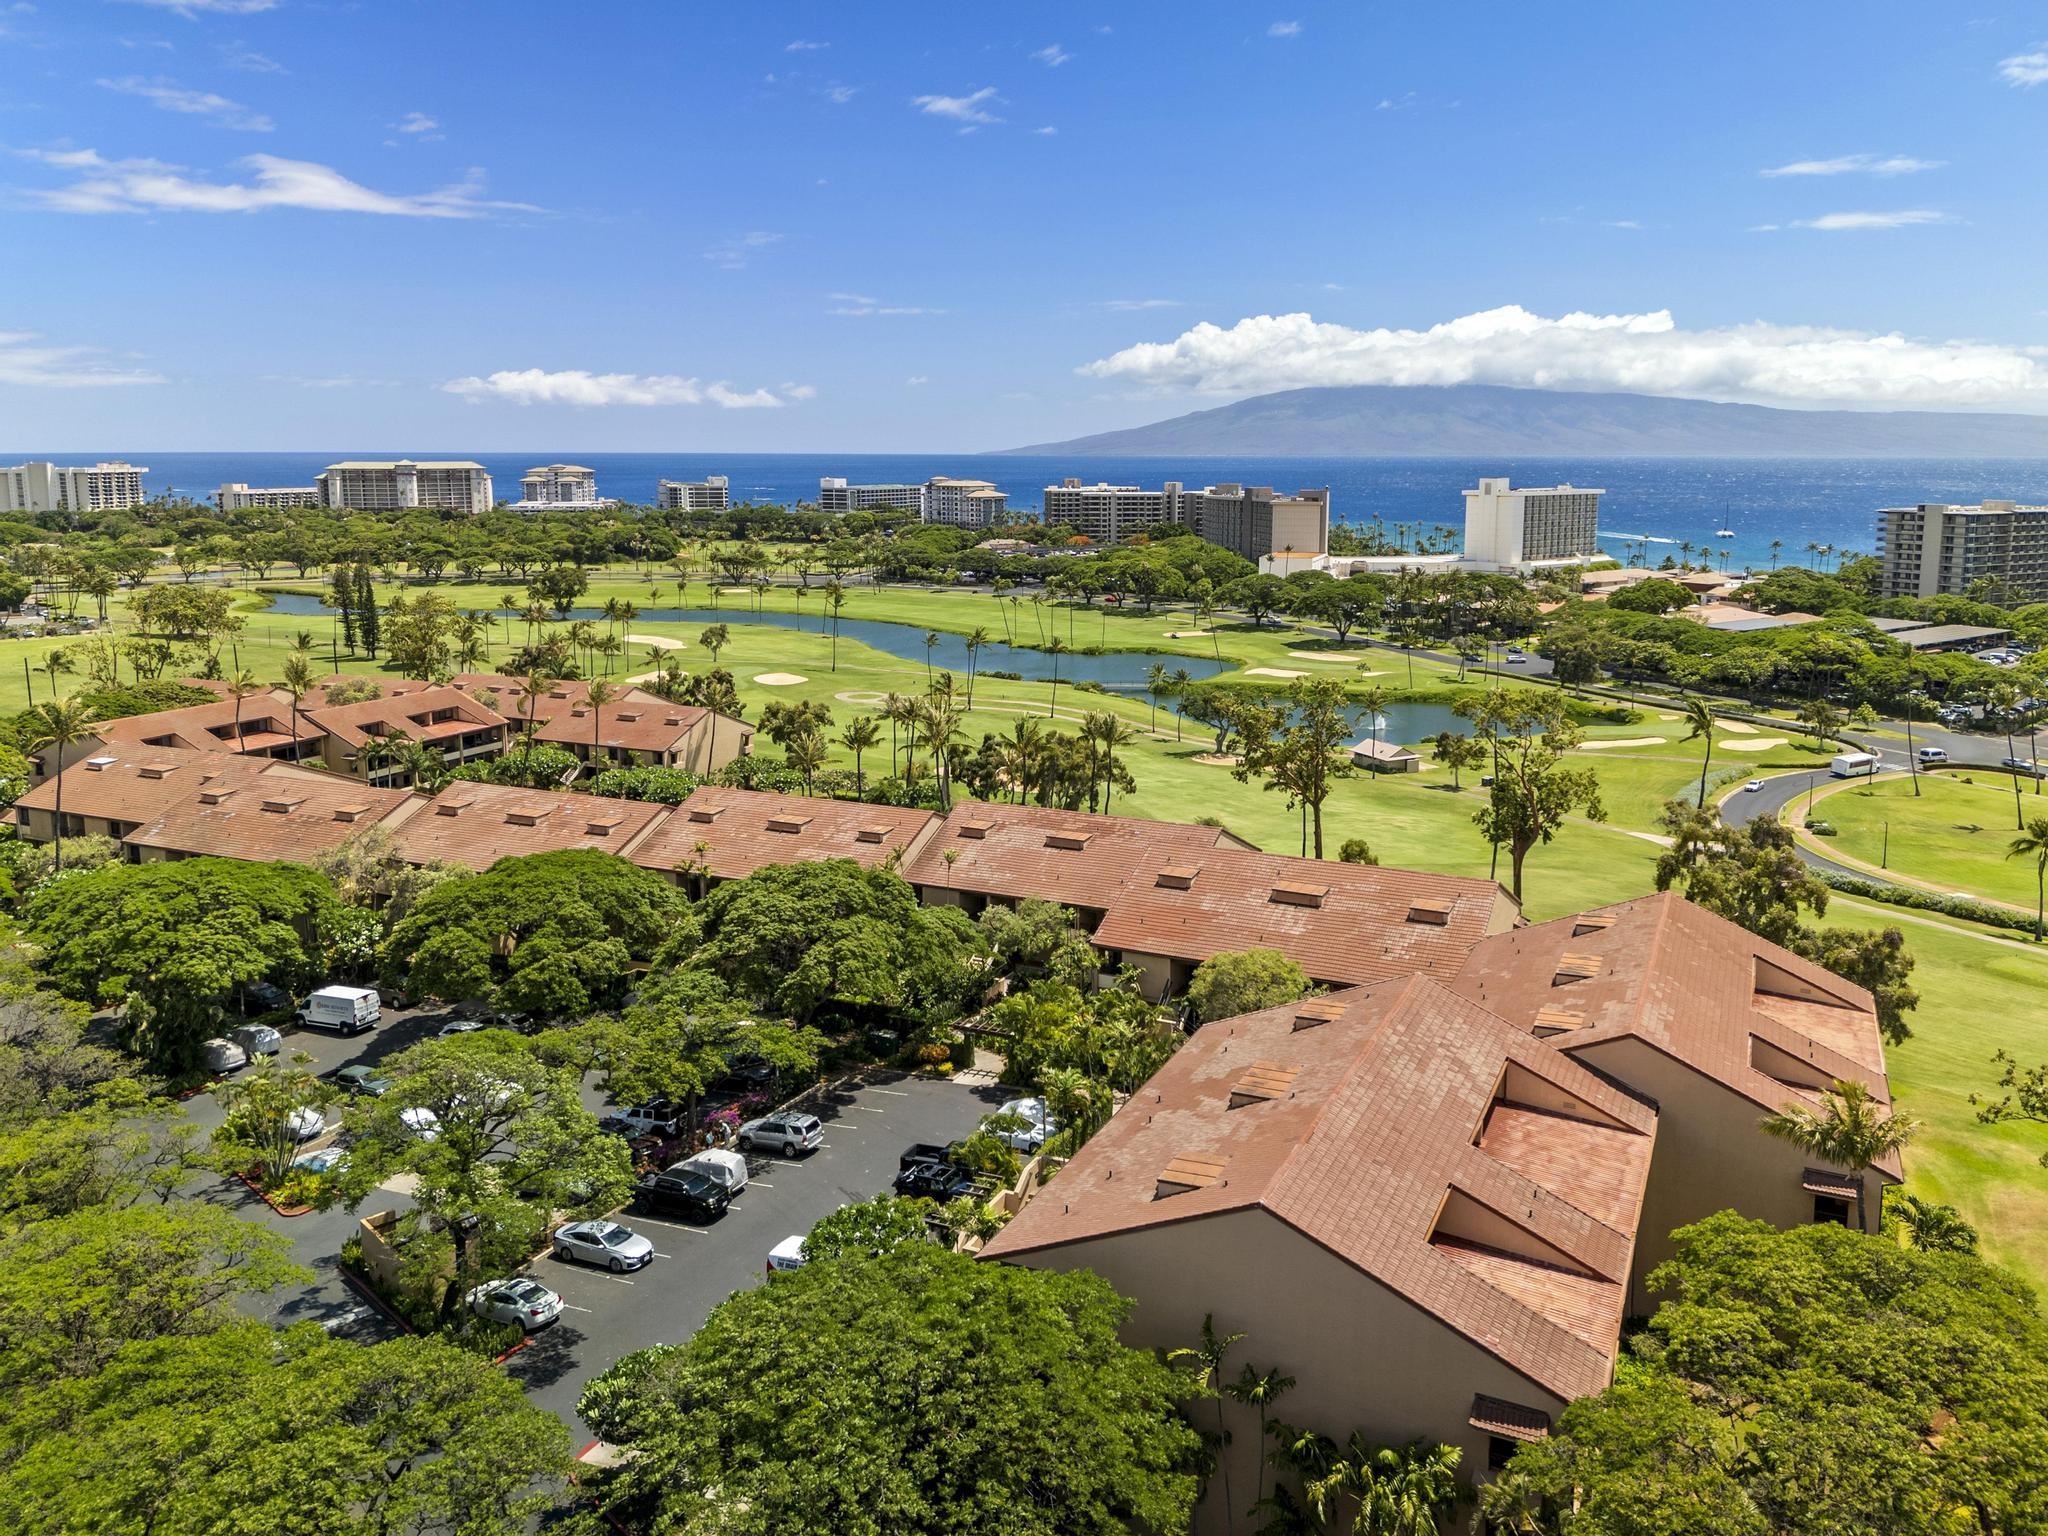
[1753, 787]
[305, 1123]
[603, 1243]
[421, 1121]
[519, 1300]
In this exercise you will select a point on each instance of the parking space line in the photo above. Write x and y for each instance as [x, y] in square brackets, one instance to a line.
[618, 1279]
[758, 1184]
[569, 1306]
[660, 1255]
[894, 1093]
[673, 1226]
[870, 1109]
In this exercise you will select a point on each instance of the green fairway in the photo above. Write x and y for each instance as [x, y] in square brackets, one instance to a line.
[1953, 837]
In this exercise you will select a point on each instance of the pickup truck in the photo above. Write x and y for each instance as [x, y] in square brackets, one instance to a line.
[925, 1152]
[661, 1118]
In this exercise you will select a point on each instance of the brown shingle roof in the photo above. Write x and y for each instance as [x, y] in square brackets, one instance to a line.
[1691, 985]
[642, 724]
[562, 695]
[395, 716]
[1012, 859]
[241, 808]
[1411, 1103]
[739, 840]
[475, 825]
[123, 782]
[265, 718]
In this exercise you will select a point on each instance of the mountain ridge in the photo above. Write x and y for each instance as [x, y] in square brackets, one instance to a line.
[1383, 420]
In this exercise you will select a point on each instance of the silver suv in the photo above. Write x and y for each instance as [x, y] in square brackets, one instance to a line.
[787, 1133]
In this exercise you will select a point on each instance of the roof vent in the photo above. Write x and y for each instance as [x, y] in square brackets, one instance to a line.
[1436, 912]
[351, 812]
[1317, 1010]
[579, 711]
[215, 795]
[99, 764]
[976, 829]
[1581, 926]
[529, 815]
[604, 823]
[283, 805]
[876, 833]
[1262, 1080]
[1184, 1174]
[1557, 1021]
[1068, 840]
[1299, 895]
[788, 823]
[1571, 967]
[559, 693]
[157, 770]
[674, 720]
[706, 813]
[1177, 877]
[627, 716]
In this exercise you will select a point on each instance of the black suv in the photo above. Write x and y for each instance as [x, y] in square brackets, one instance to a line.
[935, 1180]
[690, 1195]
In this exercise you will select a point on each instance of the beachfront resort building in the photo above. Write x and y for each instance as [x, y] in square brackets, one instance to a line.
[836, 495]
[239, 496]
[1523, 530]
[40, 486]
[559, 485]
[942, 499]
[711, 494]
[1253, 521]
[392, 485]
[1934, 548]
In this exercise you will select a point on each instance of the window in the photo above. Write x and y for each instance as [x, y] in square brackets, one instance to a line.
[1829, 1208]
[1499, 1450]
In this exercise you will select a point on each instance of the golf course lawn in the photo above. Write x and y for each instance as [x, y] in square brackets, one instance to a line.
[1953, 837]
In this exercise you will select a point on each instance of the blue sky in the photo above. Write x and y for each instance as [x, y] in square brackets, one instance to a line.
[284, 224]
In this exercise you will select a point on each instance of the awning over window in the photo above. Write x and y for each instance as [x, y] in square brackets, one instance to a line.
[1825, 1181]
[1496, 1416]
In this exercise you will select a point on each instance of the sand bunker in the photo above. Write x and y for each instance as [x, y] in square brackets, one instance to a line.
[659, 642]
[1625, 741]
[1739, 727]
[1271, 672]
[1219, 759]
[1325, 656]
[1189, 634]
[859, 696]
[737, 591]
[1667, 717]
[1760, 744]
[779, 679]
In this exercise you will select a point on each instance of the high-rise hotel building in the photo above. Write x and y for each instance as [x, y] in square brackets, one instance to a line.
[45, 487]
[559, 485]
[711, 494]
[1509, 530]
[392, 485]
[942, 499]
[1934, 548]
[1253, 521]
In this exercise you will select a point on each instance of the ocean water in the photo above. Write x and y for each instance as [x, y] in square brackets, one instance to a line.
[1661, 501]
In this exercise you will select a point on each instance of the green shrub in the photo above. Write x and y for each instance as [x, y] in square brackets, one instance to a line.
[1929, 901]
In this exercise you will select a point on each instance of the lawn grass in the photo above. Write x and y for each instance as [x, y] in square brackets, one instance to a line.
[1952, 837]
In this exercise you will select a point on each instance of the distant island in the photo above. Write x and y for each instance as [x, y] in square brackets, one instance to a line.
[1376, 420]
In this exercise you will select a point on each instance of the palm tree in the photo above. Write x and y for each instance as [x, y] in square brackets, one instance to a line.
[1182, 680]
[931, 639]
[860, 734]
[1776, 545]
[58, 724]
[1056, 648]
[532, 689]
[1405, 1490]
[937, 720]
[1108, 731]
[1699, 718]
[599, 694]
[1019, 755]
[53, 663]
[1260, 1392]
[976, 639]
[243, 685]
[1850, 1130]
[2033, 842]
[1206, 1362]
[1155, 685]
[805, 752]
[2004, 700]
[835, 599]
[298, 682]
[1374, 702]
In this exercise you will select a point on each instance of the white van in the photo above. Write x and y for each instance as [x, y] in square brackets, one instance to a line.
[344, 1010]
[1933, 755]
[1853, 765]
[787, 1254]
[728, 1170]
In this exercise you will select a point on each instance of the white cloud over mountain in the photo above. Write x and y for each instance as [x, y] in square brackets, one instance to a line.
[1642, 353]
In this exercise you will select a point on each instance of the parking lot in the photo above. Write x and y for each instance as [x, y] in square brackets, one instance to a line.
[868, 1120]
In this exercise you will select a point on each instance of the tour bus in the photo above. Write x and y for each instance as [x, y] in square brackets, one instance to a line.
[1853, 765]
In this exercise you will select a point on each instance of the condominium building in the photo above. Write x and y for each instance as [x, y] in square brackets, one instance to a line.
[559, 485]
[40, 486]
[1935, 548]
[711, 494]
[1254, 520]
[392, 485]
[1510, 530]
[963, 503]
[236, 496]
[1104, 513]
[835, 495]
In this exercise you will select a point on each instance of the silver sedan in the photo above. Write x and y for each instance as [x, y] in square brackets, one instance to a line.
[603, 1243]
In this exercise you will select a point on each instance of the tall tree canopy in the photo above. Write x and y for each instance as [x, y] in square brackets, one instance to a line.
[915, 1392]
[1810, 1380]
[550, 933]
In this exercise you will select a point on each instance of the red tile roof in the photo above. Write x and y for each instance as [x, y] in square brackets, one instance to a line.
[403, 714]
[244, 808]
[1420, 1140]
[123, 782]
[475, 825]
[266, 722]
[744, 830]
[1007, 851]
[639, 724]
[562, 695]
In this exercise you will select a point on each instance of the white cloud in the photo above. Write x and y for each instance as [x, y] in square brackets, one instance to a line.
[1141, 303]
[1284, 29]
[840, 95]
[1901, 218]
[2025, 69]
[865, 304]
[189, 9]
[1399, 103]
[965, 110]
[1046, 132]
[25, 358]
[151, 186]
[415, 122]
[803, 46]
[578, 386]
[168, 97]
[799, 391]
[1622, 223]
[733, 252]
[1855, 165]
[1644, 353]
[1052, 55]
[918, 378]
[236, 56]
